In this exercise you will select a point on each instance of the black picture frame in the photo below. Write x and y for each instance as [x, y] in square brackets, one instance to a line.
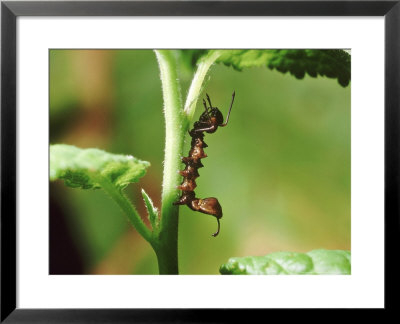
[10, 10]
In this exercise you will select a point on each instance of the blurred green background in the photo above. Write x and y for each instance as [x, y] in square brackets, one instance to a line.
[281, 169]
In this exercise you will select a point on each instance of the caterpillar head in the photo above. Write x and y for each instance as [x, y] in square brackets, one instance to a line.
[213, 116]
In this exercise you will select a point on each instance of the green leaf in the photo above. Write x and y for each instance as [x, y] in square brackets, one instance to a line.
[239, 59]
[330, 63]
[281, 263]
[152, 211]
[78, 167]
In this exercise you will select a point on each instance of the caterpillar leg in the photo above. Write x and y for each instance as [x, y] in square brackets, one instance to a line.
[185, 199]
[179, 202]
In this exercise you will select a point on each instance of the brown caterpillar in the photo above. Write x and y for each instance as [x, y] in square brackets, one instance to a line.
[208, 122]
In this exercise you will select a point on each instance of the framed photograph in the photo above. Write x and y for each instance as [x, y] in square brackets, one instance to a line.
[266, 132]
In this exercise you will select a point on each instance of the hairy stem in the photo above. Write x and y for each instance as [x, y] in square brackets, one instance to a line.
[197, 82]
[167, 245]
[176, 126]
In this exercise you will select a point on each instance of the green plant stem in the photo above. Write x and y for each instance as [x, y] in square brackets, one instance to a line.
[197, 82]
[167, 245]
[176, 126]
[126, 206]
